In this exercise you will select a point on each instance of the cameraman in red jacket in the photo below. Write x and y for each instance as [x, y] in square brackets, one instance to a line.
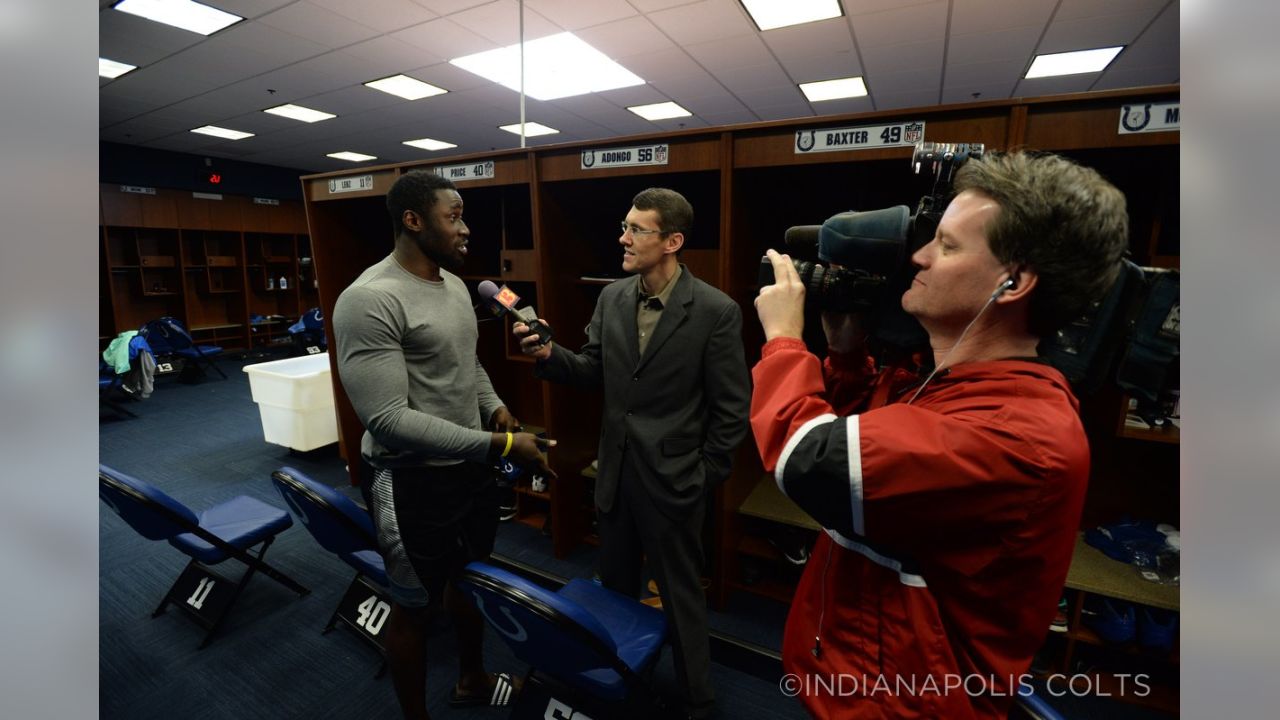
[950, 506]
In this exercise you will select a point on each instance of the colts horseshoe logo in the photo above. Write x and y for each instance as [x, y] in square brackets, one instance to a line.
[804, 140]
[518, 635]
[1133, 119]
[588, 158]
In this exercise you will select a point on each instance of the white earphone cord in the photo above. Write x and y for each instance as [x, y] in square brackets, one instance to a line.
[946, 357]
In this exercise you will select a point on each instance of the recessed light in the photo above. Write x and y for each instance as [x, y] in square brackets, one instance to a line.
[556, 66]
[834, 89]
[429, 144]
[112, 69]
[216, 131]
[297, 112]
[1072, 63]
[771, 14]
[352, 156]
[659, 111]
[405, 87]
[185, 14]
[531, 129]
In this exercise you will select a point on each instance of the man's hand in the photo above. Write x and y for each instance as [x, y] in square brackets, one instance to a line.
[529, 449]
[846, 332]
[529, 342]
[781, 305]
[503, 421]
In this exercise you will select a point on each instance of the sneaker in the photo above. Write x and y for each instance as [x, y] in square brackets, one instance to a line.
[1157, 628]
[507, 505]
[1059, 624]
[538, 483]
[795, 552]
[1113, 620]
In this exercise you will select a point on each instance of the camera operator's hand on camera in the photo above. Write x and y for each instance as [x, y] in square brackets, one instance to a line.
[846, 332]
[781, 305]
[529, 342]
[528, 449]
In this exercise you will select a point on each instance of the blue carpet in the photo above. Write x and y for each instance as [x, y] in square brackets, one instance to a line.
[203, 444]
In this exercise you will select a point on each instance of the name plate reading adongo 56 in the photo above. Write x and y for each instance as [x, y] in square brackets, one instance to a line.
[863, 137]
[469, 171]
[625, 157]
[350, 184]
[1149, 117]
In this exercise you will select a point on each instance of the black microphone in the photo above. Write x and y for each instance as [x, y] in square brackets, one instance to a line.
[503, 300]
[803, 238]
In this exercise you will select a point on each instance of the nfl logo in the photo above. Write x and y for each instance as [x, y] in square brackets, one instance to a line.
[660, 154]
[913, 132]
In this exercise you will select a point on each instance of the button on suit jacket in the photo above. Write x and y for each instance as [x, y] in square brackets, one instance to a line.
[679, 411]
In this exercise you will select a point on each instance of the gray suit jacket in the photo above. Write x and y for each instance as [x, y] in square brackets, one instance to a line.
[681, 409]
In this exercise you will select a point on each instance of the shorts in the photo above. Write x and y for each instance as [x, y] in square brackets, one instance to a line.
[431, 522]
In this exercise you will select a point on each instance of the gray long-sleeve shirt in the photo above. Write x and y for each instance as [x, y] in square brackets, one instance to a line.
[407, 358]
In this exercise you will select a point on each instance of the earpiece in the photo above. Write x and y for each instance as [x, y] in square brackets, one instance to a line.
[1006, 285]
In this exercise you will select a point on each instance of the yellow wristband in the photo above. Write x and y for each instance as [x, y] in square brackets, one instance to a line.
[510, 439]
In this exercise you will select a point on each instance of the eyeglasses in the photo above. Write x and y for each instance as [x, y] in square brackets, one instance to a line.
[635, 230]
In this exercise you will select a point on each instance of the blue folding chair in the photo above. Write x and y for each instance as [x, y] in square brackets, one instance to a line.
[227, 530]
[590, 650]
[308, 333]
[345, 529]
[169, 337]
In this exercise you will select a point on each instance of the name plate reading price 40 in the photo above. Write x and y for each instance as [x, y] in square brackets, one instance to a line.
[350, 184]
[470, 171]
[863, 137]
[625, 157]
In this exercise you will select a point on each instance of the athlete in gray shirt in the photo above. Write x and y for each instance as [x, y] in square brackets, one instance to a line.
[405, 337]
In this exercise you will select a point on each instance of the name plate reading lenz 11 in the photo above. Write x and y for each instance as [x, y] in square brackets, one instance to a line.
[863, 137]
[350, 184]
[625, 157]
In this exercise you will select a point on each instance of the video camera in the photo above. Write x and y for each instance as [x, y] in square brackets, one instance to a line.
[873, 249]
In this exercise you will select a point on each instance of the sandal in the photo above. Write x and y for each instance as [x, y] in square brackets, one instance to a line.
[503, 692]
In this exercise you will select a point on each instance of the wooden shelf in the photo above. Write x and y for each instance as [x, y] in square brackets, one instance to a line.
[530, 492]
[767, 502]
[1167, 434]
[1093, 572]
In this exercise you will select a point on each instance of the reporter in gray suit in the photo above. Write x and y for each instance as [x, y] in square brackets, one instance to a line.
[667, 349]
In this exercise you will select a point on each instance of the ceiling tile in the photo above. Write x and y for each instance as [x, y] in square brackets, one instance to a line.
[1077, 9]
[1054, 85]
[249, 8]
[576, 14]
[981, 16]
[663, 65]
[499, 22]
[648, 6]
[624, 38]
[913, 24]
[1139, 77]
[754, 78]
[816, 38]
[862, 7]
[955, 93]
[444, 38]
[381, 15]
[986, 73]
[317, 24]
[703, 21]
[908, 56]
[1094, 32]
[393, 54]
[1009, 44]
[909, 99]
[926, 79]
[843, 106]
[732, 117]
[711, 105]
[823, 67]
[731, 52]
[449, 7]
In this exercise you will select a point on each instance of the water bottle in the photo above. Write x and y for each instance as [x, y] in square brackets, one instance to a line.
[284, 283]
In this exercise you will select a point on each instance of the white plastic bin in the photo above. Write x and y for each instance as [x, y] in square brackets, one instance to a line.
[295, 400]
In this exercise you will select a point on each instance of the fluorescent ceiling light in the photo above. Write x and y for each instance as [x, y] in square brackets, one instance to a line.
[429, 144]
[659, 111]
[297, 112]
[183, 14]
[405, 87]
[531, 129]
[352, 156]
[1072, 63]
[556, 66]
[216, 131]
[770, 14]
[834, 89]
[112, 69]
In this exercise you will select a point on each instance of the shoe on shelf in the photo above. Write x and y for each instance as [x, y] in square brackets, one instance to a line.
[1157, 628]
[1114, 621]
[1059, 624]
[507, 504]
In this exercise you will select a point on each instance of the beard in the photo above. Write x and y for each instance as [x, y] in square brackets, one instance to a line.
[441, 250]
